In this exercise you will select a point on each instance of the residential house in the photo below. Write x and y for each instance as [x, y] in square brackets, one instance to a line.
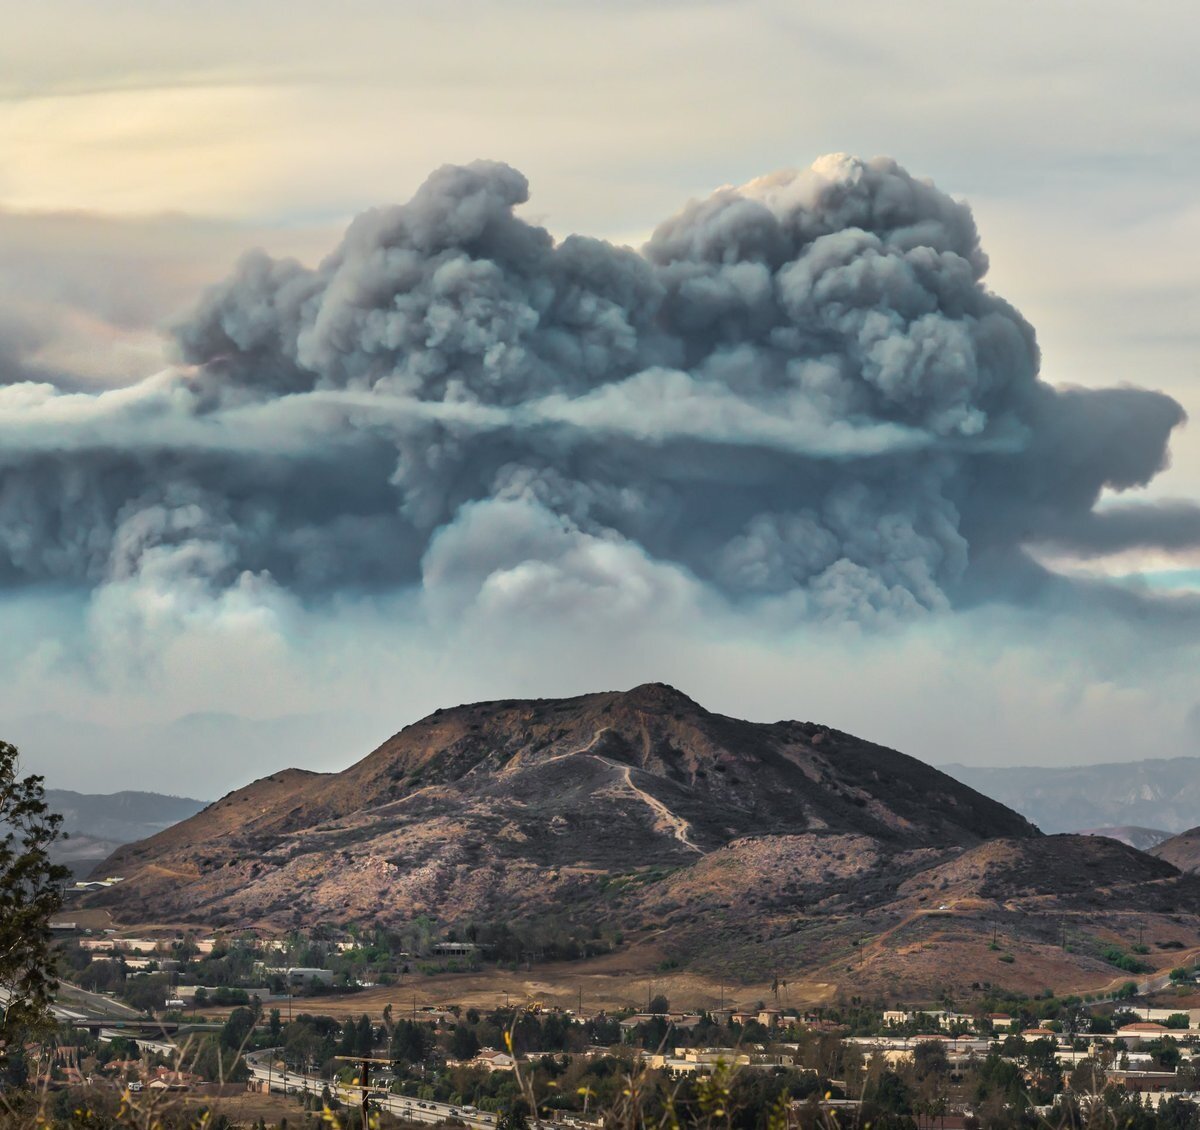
[494, 1060]
[1143, 1032]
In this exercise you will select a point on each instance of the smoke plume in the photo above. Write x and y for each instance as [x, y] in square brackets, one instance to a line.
[800, 391]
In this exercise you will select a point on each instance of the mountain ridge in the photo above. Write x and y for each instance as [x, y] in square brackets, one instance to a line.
[640, 775]
[97, 824]
[735, 848]
[1151, 793]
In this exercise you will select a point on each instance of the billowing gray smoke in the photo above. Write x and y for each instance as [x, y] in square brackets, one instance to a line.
[800, 390]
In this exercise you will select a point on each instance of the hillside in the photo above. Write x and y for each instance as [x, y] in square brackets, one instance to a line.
[729, 847]
[480, 801]
[1154, 793]
[1182, 851]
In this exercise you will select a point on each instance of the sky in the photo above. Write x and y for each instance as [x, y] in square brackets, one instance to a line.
[862, 398]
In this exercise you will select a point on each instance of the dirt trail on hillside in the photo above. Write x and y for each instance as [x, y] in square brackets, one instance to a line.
[586, 749]
[680, 828]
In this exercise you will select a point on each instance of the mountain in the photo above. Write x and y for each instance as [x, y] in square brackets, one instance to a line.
[727, 847]
[1156, 793]
[118, 817]
[98, 824]
[603, 783]
[1144, 839]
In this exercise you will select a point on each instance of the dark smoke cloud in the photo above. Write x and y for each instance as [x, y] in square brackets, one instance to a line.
[800, 390]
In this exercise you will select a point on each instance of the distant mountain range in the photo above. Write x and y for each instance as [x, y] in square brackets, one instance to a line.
[99, 824]
[730, 848]
[1161, 793]
[1144, 839]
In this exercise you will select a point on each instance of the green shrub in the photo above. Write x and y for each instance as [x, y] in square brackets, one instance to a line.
[1118, 957]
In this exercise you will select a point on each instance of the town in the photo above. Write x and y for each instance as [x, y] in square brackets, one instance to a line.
[204, 1018]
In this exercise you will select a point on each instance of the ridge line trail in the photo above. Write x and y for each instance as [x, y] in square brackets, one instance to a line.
[582, 749]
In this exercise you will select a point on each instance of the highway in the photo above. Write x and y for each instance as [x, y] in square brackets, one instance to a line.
[415, 1110]
[107, 1018]
[86, 1007]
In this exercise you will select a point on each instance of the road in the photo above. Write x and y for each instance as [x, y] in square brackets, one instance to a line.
[1155, 984]
[85, 1006]
[94, 1005]
[415, 1110]
[106, 1017]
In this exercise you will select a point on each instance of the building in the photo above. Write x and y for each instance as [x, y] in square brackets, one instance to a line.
[702, 1061]
[494, 1060]
[297, 975]
[1143, 1082]
[1039, 1034]
[1144, 1032]
[455, 949]
[683, 1020]
[124, 945]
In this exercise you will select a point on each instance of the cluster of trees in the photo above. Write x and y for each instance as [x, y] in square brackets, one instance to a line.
[538, 939]
[30, 894]
[1125, 961]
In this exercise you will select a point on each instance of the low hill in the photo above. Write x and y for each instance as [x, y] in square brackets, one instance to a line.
[473, 806]
[734, 848]
[1182, 851]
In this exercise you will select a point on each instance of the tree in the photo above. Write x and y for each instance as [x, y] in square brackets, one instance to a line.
[515, 1116]
[411, 1042]
[238, 1028]
[364, 1037]
[30, 895]
[659, 1005]
[464, 1044]
[147, 992]
[1088, 1078]
[348, 1038]
[929, 1058]
[1177, 1114]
